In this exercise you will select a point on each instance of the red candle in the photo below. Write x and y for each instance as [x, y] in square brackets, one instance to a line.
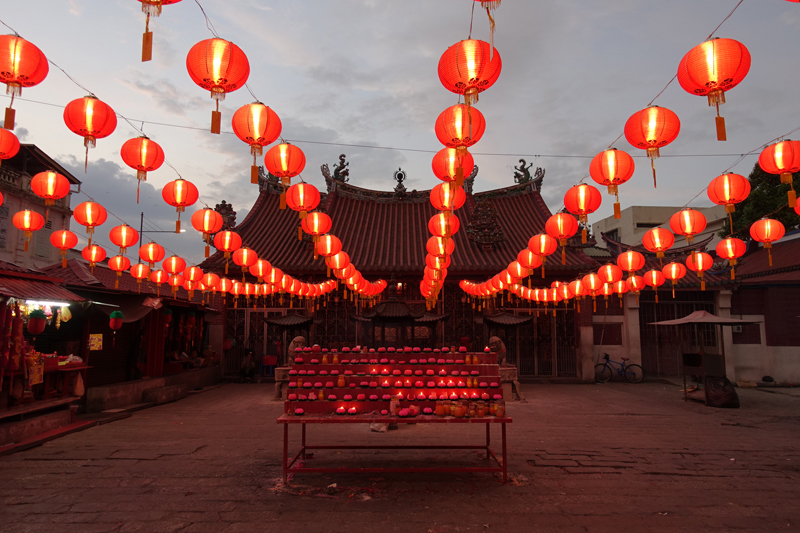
[454, 396]
[451, 384]
[486, 349]
[352, 411]
[340, 411]
[400, 396]
[398, 384]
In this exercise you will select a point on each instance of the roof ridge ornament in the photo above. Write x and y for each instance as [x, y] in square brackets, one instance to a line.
[400, 190]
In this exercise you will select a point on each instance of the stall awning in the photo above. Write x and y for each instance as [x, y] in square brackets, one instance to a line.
[290, 321]
[704, 317]
[507, 319]
[30, 289]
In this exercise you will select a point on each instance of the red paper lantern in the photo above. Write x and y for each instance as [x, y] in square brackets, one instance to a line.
[658, 241]
[337, 261]
[469, 67]
[654, 278]
[450, 164]
[688, 222]
[175, 282]
[529, 259]
[193, 273]
[152, 8]
[36, 324]
[448, 197]
[711, 68]
[91, 215]
[460, 126]
[440, 246]
[728, 190]
[561, 226]
[258, 126]
[90, 118]
[219, 66]
[152, 253]
[437, 263]
[578, 290]
[142, 155]
[260, 269]
[673, 272]
[9, 144]
[211, 282]
[612, 168]
[180, 194]
[119, 264]
[650, 129]
[50, 185]
[636, 284]
[140, 271]
[582, 200]
[174, 265]
[592, 284]
[225, 285]
[123, 236]
[699, 262]
[28, 221]
[93, 254]
[63, 240]
[767, 230]
[731, 249]
[158, 277]
[227, 242]
[22, 64]
[207, 222]
[516, 269]
[190, 287]
[610, 273]
[244, 257]
[285, 161]
[329, 245]
[544, 245]
[316, 224]
[443, 226]
[620, 288]
[274, 276]
[782, 158]
[302, 197]
[115, 321]
[630, 261]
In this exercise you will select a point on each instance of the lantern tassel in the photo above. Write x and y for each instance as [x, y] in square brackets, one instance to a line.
[207, 250]
[178, 224]
[216, 120]
[617, 210]
[721, 134]
[10, 113]
[792, 197]
[583, 236]
[64, 262]
[147, 41]
[733, 273]
[563, 255]
[491, 34]
[653, 165]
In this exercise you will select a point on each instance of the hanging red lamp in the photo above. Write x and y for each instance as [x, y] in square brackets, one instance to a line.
[258, 126]
[175, 282]
[9, 144]
[174, 265]
[152, 253]
[700, 262]
[260, 269]
[437, 263]
[782, 158]
[50, 185]
[244, 257]
[211, 281]
[329, 245]
[544, 245]
[119, 264]
[630, 261]
[207, 221]
[123, 236]
[158, 277]
[444, 226]
[180, 194]
[448, 197]
[28, 221]
[220, 67]
[140, 272]
[767, 231]
[729, 190]
[315, 224]
[63, 240]
[460, 126]
[302, 197]
[285, 161]
[583, 200]
[673, 271]
[469, 67]
[612, 168]
[651, 129]
[592, 283]
[227, 242]
[610, 273]
[440, 246]
[190, 287]
[90, 118]
[193, 273]
[337, 261]
[636, 284]
[731, 249]
[621, 287]
[654, 278]
[22, 64]
[562, 226]
[93, 254]
[91, 215]
[449, 164]
[712, 68]
[658, 241]
[143, 155]
[688, 222]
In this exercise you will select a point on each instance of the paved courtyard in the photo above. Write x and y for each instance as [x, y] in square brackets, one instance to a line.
[614, 457]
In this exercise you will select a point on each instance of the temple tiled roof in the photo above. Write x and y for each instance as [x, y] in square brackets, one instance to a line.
[385, 233]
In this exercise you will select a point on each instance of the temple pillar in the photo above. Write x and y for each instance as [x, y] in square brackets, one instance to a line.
[585, 342]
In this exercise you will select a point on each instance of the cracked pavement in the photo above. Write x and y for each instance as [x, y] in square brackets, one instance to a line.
[611, 457]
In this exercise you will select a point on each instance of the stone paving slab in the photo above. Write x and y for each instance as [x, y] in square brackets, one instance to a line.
[612, 457]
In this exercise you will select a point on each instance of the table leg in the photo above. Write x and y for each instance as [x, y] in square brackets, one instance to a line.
[304, 441]
[488, 439]
[505, 458]
[285, 450]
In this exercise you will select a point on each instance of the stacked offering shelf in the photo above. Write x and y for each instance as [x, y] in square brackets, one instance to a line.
[483, 376]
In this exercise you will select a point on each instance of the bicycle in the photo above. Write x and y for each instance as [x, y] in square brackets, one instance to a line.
[631, 372]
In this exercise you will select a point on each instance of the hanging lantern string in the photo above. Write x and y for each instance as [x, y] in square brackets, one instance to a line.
[209, 24]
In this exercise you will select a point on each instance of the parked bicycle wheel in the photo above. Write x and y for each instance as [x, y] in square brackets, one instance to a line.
[634, 373]
[602, 373]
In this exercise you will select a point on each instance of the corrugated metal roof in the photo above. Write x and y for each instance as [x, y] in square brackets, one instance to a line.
[385, 235]
[29, 289]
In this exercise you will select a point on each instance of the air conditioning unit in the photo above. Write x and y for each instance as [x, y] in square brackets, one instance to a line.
[736, 329]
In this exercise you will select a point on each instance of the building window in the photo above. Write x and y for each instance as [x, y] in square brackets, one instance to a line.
[648, 225]
[41, 242]
[613, 234]
[3, 227]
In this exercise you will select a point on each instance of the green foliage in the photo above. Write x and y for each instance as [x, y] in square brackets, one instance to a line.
[767, 196]
[116, 314]
[37, 313]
